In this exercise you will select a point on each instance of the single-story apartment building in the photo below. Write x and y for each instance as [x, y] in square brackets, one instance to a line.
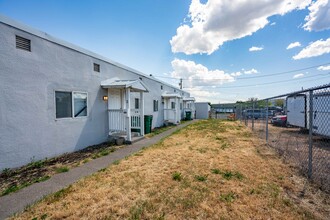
[57, 97]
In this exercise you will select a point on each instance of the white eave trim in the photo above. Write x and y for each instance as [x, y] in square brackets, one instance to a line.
[135, 85]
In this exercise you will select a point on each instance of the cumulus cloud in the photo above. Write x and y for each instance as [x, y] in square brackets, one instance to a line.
[314, 49]
[319, 16]
[198, 75]
[211, 24]
[255, 48]
[324, 68]
[298, 75]
[236, 74]
[251, 71]
[293, 45]
[202, 95]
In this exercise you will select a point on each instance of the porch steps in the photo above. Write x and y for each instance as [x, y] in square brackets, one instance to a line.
[120, 138]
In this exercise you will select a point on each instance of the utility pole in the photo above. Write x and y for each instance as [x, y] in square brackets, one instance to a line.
[180, 84]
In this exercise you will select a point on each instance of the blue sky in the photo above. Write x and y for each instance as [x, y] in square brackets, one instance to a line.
[225, 50]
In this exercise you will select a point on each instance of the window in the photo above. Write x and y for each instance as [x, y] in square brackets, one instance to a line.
[174, 90]
[155, 105]
[161, 87]
[136, 104]
[96, 67]
[23, 43]
[80, 104]
[63, 104]
[172, 105]
[180, 106]
[70, 104]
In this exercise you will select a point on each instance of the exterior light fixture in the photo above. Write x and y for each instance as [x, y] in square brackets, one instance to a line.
[105, 98]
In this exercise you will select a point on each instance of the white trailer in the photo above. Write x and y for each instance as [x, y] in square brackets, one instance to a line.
[298, 112]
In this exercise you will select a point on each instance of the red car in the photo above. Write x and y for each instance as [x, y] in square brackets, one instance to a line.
[279, 120]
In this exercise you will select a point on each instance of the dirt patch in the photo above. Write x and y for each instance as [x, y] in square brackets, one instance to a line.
[209, 170]
[12, 180]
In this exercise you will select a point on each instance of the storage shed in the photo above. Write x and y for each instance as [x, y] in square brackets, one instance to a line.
[202, 110]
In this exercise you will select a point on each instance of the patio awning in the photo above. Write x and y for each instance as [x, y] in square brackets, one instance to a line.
[171, 95]
[134, 85]
[188, 99]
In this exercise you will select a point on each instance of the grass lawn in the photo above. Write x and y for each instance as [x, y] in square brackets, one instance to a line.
[211, 169]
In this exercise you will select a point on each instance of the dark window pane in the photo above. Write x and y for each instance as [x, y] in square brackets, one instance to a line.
[172, 105]
[63, 104]
[136, 104]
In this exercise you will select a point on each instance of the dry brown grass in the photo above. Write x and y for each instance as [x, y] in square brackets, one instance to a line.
[142, 186]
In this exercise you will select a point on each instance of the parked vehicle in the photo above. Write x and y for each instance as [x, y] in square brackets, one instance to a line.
[279, 120]
[298, 112]
[258, 113]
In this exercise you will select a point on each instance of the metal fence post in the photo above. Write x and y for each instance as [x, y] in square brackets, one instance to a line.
[310, 150]
[267, 121]
[252, 116]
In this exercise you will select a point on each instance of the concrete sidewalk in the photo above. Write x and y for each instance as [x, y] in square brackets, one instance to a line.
[16, 202]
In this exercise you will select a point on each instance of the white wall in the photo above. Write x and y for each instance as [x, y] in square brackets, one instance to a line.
[28, 81]
[202, 110]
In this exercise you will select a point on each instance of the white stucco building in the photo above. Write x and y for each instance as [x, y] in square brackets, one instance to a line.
[57, 97]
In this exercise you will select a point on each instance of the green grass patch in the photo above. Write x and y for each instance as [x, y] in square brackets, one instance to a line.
[216, 171]
[227, 174]
[62, 169]
[200, 178]
[177, 176]
[228, 197]
[116, 162]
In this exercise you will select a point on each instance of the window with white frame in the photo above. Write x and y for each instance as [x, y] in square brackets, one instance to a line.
[70, 104]
[155, 105]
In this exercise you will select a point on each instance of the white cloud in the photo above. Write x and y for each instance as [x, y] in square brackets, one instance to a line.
[202, 95]
[255, 48]
[319, 16]
[314, 49]
[324, 68]
[217, 21]
[298, 75]
[236, 74]
[198, 75]
[251, 71]
[293, 45]
[272, 23]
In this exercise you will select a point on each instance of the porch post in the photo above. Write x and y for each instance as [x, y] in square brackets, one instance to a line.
[108, 112]
[142, 114]
[128, 109]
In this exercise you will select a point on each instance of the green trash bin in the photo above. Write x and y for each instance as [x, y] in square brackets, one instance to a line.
[147, 124]
[188, 115]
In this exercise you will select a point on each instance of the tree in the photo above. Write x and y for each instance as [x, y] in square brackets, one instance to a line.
[252, 99]
[279, 102]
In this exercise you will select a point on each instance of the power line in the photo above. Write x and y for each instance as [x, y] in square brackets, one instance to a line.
[251, 77]
[262, 84]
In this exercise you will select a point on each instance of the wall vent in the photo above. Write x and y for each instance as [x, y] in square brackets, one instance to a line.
[96, 67]
[23, 43]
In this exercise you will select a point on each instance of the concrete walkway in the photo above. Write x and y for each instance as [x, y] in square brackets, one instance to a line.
[16, 202]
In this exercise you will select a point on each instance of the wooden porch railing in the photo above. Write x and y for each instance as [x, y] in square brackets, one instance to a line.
[170, 115]
[117, 120]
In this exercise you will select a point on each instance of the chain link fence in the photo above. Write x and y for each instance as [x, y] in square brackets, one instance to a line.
[297, 125]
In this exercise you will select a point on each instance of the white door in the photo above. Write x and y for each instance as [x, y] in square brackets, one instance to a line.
[114, 99]
[296, 111]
